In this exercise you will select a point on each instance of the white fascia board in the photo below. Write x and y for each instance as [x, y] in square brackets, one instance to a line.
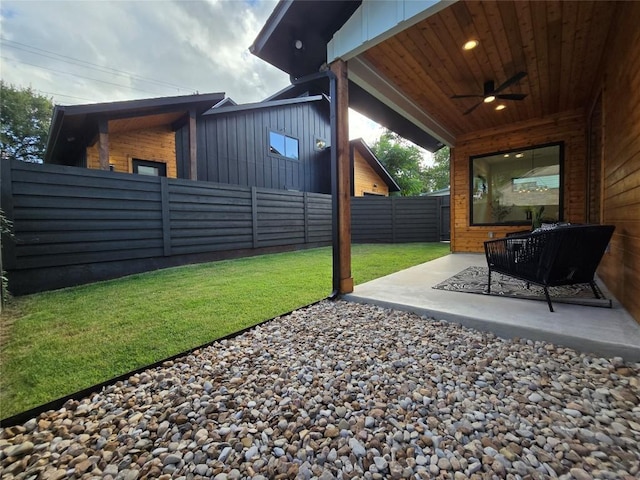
[364, 75]
[376, 20]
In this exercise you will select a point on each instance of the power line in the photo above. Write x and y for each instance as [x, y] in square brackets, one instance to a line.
[85, 64]
[69, 96]
[79, 76]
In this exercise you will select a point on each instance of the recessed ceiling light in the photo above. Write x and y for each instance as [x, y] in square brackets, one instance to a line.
[489, 99]
[500, 107]
[470, 45]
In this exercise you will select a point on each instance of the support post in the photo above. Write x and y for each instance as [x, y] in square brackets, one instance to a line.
[339, 68]
[193, 146]
[103, 143]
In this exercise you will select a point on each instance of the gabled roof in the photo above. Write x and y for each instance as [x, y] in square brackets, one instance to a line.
[314, 23]
[266, 104]
[72, 126]
[311, 22]
[374, 163]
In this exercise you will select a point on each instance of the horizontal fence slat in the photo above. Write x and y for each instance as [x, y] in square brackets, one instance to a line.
[86, 220]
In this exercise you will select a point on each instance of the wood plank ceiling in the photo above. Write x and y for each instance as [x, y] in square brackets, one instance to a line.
[559, 44]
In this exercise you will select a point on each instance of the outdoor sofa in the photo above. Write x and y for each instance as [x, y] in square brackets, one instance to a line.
[557, 256]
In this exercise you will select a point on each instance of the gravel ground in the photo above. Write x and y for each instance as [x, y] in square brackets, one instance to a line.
[342, 390]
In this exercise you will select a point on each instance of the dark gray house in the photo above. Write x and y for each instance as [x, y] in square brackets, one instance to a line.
[281, 144]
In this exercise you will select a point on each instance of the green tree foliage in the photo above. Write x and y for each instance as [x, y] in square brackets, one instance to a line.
[24, 123]
[402, 161]
[436, 176]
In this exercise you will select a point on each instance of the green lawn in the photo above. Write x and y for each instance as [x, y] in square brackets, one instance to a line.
[56, 343]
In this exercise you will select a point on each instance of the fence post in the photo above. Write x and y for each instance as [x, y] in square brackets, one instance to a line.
[393, 219]
[254, 215]
[166, 216]
[8, 247]
[305, 201]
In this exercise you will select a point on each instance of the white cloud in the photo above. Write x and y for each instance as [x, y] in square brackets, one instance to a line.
[176, 47]
[103, 51]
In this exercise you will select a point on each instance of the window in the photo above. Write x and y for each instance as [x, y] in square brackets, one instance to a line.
[507, 188]
[147, 167]
[283, 145]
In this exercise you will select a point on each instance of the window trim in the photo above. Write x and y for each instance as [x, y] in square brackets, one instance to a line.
[161, 166]
[277, 155]
[470, 188]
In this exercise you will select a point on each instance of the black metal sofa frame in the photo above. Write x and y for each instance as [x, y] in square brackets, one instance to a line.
[566, 255]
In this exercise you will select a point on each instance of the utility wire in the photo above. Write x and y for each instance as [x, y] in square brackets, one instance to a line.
[83, 63]
[78, 76]
[64, 95]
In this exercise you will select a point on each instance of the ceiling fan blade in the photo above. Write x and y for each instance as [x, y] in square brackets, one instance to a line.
[516, 78]
[512, 96]
[472, 108]
[467, 96]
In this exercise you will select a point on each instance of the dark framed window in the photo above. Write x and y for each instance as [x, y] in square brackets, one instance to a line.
[283, 145]
[148, 167]
[511, 187]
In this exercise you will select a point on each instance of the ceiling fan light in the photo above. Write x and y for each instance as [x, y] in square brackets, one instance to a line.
[470, 45]
[489, 98]
[501, 107]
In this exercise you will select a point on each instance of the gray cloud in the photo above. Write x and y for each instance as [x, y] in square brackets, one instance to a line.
[171, 47]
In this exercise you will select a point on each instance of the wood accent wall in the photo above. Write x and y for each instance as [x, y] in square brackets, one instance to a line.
[620, 268]
[567, 127]
[365, 178]
[155, 143]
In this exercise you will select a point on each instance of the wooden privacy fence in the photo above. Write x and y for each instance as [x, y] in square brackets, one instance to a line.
[75, 225]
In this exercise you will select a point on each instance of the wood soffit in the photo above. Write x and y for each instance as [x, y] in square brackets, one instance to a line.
[560, 44]
[149, 121]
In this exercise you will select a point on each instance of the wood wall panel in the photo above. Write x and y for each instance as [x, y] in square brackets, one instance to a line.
[568, 127]
[620, 82]
[365, 178]
[156, 144]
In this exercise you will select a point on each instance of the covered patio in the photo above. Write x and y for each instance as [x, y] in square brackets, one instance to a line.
[539, 102]
[607, 332]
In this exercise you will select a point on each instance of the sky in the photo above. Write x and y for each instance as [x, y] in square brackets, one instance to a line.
[91, 51]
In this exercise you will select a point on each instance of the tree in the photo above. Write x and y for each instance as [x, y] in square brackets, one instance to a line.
[436, 177]
[25, 117]
[402, 161]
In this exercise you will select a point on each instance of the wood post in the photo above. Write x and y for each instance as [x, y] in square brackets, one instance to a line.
[103, 143]
[193, 146]
[339, 68]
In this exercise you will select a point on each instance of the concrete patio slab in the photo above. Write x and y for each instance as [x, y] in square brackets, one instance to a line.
[608, 332]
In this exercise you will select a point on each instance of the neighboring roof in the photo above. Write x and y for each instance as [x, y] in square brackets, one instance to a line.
[227, 102]
[439, 193]
[80, 122]
[374, 163]
[266, 104]
[314, 23]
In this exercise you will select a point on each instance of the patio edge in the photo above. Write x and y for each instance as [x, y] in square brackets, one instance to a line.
[629, 353]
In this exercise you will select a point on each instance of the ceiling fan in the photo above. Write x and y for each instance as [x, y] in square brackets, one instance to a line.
[491, 93]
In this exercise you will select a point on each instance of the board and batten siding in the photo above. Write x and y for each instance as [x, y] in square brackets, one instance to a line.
[567, 127]
[620, 86]
[157, 144]
[365, 178]
[233, 148]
